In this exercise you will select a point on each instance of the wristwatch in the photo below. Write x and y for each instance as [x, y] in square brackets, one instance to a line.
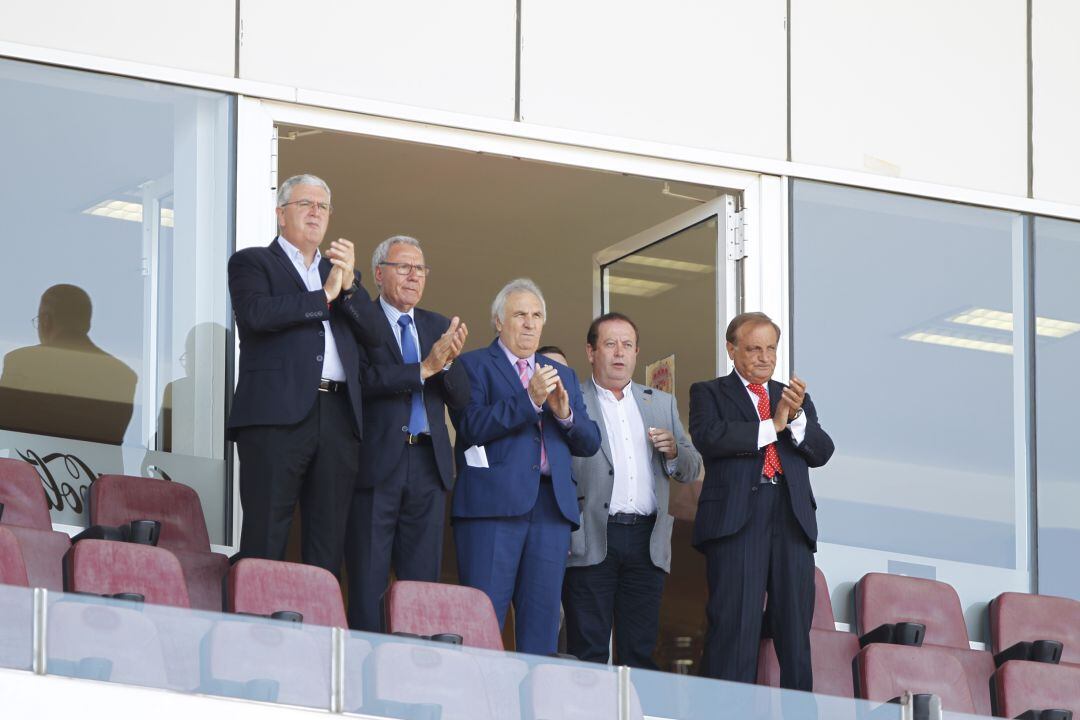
[796, 416]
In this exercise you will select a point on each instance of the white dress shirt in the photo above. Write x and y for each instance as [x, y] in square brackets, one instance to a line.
[632, 490]
[766, 430]
[332, 368]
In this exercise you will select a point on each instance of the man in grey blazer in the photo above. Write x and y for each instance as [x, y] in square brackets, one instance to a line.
[622, 551]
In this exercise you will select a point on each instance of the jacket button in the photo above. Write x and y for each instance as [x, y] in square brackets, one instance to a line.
[321, 333]
[610, 472]
[537, 438]
[404, 428]
[536, 467]
[318, 358]
[605, 506]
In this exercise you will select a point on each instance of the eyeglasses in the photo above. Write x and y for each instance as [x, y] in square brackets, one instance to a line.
[405, 269]
[35, 321]
[306, 205]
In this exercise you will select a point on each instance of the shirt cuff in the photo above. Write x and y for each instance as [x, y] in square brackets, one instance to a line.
[671, 466]
[798, 428]
[568, 422]
[766, 434]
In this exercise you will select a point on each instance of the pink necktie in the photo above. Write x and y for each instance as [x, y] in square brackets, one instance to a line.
[523, 374]
[772, 459]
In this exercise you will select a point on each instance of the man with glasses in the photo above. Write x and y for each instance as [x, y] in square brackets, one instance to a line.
[296, 415]
[755, 521]
[407, 464]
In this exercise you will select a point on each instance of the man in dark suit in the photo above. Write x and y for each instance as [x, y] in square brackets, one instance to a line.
[755, 520]
[396, 517]
[296, 413]
[622, 551]
[515, 501]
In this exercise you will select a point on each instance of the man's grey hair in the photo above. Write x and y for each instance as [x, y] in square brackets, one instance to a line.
[284, 193]
[498, 305]
[382, 251]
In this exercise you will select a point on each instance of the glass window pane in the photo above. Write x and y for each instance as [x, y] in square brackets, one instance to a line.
[118, 196]
[1057, 357]
[903, 316]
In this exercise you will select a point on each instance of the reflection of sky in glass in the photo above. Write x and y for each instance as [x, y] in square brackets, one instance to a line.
[924, 429]
[1057, 265]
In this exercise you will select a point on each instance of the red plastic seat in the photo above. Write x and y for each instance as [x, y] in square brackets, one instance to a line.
[883, 672]
[262, 587]
[882, 598]
[1020, 686]
[103, 567]
[425, 608]
[12, 568]
[26, 514]
[119, 499]
[1020, 617]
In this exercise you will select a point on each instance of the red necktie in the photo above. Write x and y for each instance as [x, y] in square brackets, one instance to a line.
[772, 459]
[523, 374]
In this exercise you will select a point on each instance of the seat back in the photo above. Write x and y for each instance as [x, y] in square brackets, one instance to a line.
[823, 611]
[119, 499]
[1020, 617]
[263, 587]
[425, 608]
[1020, 686]
[883, 672]
[831, 653]
[882, 598]
[43, 554]
[103, 567]
[23, 496]
[12, 567]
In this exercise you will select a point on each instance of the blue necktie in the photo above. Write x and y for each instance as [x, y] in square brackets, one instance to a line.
[417, 416]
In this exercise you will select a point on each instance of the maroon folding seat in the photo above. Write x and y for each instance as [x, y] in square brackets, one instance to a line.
[104, 567]
[884, 672]
[1021, 685]
[425, 608]
[12, 568]
[264, 587]
[26, 514]
[1020, 617]
[881, 599]
[119, 499]
[831, 651]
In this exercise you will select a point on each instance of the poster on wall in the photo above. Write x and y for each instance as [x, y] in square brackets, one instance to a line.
[660, 375]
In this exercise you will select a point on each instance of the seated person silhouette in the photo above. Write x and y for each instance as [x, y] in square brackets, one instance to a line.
[183, 409]
[66, 386]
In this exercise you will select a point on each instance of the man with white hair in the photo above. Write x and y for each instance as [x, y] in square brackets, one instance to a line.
[296, 415]
[407, 464]
[515, 502]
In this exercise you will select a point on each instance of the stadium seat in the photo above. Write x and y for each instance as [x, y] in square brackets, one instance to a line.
[882, 598]
[1020, 617]
[569, 691]
[831, 651]
[1019, 686]
[26, 514]
[424, 608]
[263, 587]
[102, 567]
[116, 500]
[884, 672]
[12, 568]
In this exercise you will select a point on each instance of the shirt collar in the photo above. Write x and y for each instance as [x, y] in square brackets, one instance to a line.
[603, 392]
[746, 383]
[514, 358]
[295, 255]
[392, 312]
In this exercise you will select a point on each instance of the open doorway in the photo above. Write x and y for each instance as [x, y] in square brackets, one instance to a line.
[484, 219]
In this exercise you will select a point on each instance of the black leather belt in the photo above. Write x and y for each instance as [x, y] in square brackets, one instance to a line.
[421, 439]
[631, 518]
[333, 386]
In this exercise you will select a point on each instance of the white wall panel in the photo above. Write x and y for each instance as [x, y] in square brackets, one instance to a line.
[919, 89]
[196, 35]
[1055, 66]
[430, 53]
[702, 73]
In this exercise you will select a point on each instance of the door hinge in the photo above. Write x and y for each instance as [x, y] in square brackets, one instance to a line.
[274, 160]
[736, 234]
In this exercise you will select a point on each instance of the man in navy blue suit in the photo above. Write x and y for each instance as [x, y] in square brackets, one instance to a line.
[296, 414]
[396, 517]
[755, 521]
[515, 501]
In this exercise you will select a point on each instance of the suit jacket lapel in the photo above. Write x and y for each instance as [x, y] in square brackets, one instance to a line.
[425, 331]
[731, 385]
[503, 366]
[776, 389]
[592, 405]
[387, 333]
[279, 254]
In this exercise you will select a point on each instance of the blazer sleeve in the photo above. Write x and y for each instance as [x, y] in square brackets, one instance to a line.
[714, 435]
[454, 384]
[583, 435]
[381, 380]
[487, 417]
[817, 447]
[688, 461]
[258, 310]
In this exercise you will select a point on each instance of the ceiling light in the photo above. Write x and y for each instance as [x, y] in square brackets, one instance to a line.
[960, 342]
[635, 286]
[667, 264]
[126, 210]
[999, 320]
